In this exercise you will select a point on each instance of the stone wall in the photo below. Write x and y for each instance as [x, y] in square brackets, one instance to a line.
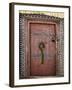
[22, 47]
[60, 48]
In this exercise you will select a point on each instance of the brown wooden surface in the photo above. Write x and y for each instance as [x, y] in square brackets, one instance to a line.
[43, 32]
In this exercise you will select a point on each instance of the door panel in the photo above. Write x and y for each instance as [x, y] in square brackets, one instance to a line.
[43, 49]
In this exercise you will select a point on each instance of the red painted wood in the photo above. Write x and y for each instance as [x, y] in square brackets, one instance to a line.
[42, 33]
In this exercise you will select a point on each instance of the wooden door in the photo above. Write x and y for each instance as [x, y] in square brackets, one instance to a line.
[42, 49]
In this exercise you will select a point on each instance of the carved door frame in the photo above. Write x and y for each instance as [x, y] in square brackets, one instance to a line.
[39, 22]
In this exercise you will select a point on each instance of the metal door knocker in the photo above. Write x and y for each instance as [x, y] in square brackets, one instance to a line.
[41, 47]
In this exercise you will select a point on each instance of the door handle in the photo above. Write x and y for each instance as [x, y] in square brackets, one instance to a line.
[41, 47]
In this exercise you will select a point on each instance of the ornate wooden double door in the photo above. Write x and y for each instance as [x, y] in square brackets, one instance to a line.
[42, 49]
